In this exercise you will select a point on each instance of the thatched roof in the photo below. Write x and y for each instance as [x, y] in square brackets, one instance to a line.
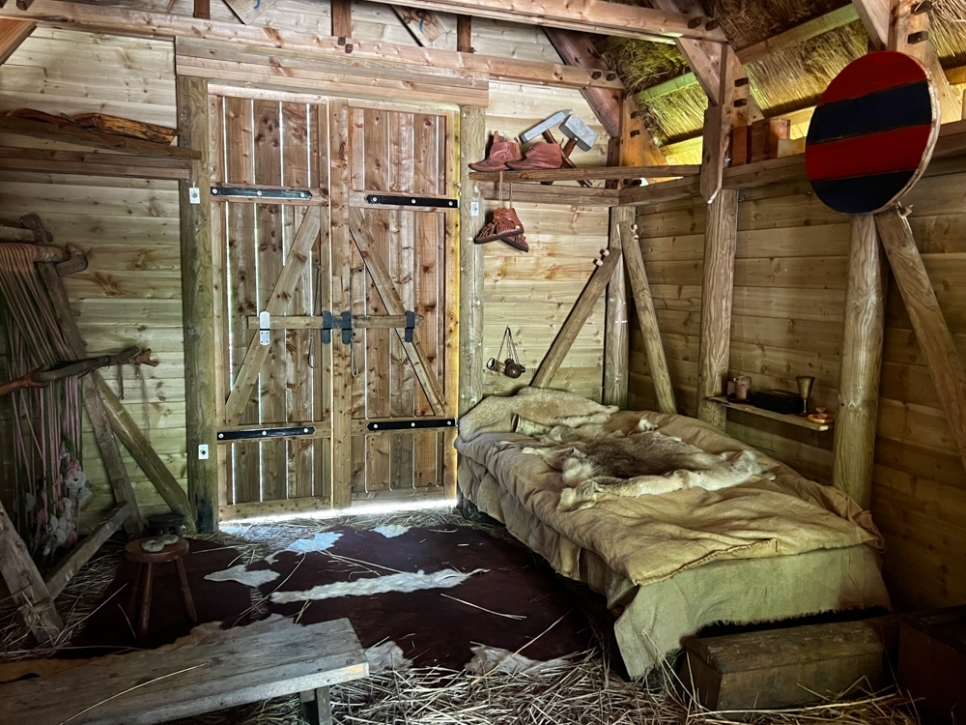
[787, 80]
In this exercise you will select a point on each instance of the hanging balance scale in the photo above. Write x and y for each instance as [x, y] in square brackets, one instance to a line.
[511, 367]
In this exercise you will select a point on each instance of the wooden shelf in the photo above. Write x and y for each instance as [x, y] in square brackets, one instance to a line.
[783, 417]
[589, 173]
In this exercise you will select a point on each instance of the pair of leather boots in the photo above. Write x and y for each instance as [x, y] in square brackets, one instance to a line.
[505, 154]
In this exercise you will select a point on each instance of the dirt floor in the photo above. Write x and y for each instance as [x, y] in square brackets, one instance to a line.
[511, 600]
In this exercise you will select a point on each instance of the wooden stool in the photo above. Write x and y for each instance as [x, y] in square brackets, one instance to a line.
[142, 582]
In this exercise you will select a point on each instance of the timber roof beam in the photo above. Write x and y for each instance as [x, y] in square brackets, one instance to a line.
[589, 16]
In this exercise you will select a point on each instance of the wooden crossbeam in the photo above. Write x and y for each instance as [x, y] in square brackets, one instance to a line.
[12, 34]
[927, 319]
[27, 587]
[574, 323]
[394, 305]
[310, 322]
[647, 319]
[256, 354]
[92, 138]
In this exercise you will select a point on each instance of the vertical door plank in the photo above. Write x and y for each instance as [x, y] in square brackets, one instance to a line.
[450, 152]
[428, 291]
[319, 152]
[378, 349]
[242, 296]
[401, 261]
[271, 383]
[341, 397]
[360, 346]
[300, 389]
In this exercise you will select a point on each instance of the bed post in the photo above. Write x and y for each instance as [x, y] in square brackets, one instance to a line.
[472, 145]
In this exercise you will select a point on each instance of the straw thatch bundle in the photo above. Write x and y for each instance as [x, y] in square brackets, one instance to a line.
[795, 77]
[676, 116]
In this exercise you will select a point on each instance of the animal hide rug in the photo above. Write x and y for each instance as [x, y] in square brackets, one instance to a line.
[641, 463]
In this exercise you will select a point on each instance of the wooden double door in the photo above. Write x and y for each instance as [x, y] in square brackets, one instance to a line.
[346, 390]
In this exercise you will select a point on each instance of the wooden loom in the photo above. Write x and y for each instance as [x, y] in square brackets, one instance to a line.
[33, 595]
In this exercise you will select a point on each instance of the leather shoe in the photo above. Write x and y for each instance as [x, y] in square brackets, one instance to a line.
[502, 151]
[542, 155]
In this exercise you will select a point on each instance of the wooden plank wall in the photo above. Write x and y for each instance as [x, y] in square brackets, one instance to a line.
[534, 292]
[790, 278]
[131, 293]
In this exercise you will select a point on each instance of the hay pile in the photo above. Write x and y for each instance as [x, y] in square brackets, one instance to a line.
[580, 692]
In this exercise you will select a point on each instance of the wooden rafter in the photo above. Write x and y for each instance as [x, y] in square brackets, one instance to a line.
[256, 354]
[12, 34]
[574, 323]
[75, 16]
[394, 306]
[617, 111]
[891, 24]
[589, 16]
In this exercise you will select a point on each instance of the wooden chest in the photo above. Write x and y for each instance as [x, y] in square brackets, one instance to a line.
[932, 663]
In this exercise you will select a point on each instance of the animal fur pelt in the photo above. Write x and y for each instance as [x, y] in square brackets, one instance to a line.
[643, 462]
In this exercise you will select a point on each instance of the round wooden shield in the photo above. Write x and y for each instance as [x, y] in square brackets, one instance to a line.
[872, 133]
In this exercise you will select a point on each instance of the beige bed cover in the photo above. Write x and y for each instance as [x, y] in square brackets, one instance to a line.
[761, 551]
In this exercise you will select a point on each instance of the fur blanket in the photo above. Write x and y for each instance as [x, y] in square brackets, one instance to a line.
[626, 456]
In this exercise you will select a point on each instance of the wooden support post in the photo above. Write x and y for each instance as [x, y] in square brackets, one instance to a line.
[198, 306]
[341, 290]
[464, 34]
[27, 587]
[928, 322]
[341, 18]
[143, 453]
[718, 122]
[616, 338]
[719, 276]
[12, 34]
[472, 145]
[575, 321]
[857, 416]
[110, 453]
[647, 319]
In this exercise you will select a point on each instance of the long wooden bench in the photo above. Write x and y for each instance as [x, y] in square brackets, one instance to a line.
[152, 687]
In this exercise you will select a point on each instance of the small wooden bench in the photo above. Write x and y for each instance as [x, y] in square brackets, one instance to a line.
[152, 687]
